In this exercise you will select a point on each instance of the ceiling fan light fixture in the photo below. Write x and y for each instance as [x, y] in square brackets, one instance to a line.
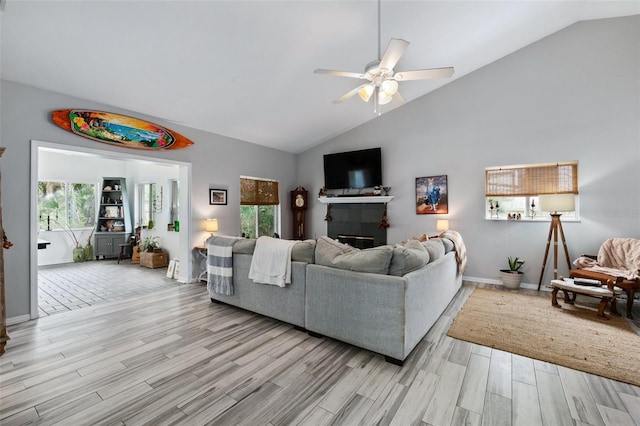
[383, 97]
[365, 92]
[389, 87]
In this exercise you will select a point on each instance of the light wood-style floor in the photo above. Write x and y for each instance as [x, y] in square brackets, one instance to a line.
[173, 357]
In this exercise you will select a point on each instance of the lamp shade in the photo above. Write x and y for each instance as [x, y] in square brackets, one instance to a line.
[557, 203]
[365, 92]
[442, 225]
[390, 87]
[383, 97]
[211, 225]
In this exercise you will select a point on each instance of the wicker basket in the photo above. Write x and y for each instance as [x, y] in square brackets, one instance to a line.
[153, 260]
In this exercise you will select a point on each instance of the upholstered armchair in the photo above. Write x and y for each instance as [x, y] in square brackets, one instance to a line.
[618, 260]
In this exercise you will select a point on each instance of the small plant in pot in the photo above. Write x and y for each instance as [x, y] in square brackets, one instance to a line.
[512, 277]
[149, 244]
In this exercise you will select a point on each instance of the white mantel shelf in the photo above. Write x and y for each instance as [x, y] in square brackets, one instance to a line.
[353, 200]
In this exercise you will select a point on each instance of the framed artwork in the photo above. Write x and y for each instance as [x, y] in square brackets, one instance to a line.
[432, 195]
[218, 196]
[111, 211]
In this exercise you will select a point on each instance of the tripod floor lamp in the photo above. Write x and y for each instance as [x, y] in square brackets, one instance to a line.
[555, 203]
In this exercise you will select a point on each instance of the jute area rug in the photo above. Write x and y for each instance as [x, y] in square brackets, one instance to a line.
[572, 336]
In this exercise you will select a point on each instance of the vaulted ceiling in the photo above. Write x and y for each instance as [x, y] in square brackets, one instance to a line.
[244, 69]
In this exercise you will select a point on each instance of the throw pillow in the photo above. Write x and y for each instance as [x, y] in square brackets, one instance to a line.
[435, 249]
[413, 255]
[303, 251]
[447, 243]
[328, 249]
[374, 260]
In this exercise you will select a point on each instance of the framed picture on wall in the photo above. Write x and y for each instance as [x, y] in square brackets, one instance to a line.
[218, 196]
[432, 195]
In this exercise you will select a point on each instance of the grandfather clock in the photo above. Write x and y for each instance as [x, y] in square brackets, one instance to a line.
[299, 207]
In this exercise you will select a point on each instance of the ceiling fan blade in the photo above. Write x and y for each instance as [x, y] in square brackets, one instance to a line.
[399, 98]
[392, 55]
[339, 73]
[424, 74]
[349, 94]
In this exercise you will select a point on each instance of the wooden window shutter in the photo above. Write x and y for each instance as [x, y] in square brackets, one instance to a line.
[532, 179]
[258, 192]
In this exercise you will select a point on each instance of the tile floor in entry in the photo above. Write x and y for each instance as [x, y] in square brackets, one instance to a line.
[70, 286]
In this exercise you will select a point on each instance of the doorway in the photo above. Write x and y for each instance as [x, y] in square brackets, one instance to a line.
[80, 156]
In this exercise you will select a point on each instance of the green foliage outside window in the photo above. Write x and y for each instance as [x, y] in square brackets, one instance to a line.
[257, 221]
[66, 204]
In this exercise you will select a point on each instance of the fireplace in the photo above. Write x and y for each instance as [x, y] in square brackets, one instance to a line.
[357, 241]
[357, 224]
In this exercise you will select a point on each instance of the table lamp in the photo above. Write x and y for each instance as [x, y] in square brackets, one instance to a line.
[211, 225]
[442, 225]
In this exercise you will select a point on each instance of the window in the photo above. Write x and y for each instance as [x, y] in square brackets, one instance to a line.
[259, 207]
[146, 200]
[174, 213]
[512, 191]
[63, 204]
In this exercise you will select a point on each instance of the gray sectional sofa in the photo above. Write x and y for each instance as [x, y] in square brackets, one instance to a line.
[383, 299]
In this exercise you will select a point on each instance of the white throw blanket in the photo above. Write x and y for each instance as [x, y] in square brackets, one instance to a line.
[619, 257]
[271, 261]
[461, 249]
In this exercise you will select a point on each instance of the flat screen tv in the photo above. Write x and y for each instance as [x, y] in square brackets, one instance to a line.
[353, 169]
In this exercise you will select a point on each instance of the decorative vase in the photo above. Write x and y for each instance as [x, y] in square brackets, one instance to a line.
[511, 279]
[88, 252]
[78, 254]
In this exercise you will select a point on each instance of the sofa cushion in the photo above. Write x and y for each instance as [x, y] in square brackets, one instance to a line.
[302, 251]
[374, 260]
[435, 248]
[328, 249]
[447, 243]
[413, 255]
[244, 246]
[332, 253]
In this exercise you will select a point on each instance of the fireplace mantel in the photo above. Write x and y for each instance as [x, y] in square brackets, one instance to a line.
[354, 200]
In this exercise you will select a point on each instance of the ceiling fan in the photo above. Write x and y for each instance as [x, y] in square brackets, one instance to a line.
[382, 82]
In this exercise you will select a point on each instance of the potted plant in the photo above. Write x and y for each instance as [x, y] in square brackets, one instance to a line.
[512, 277]
[150, 243]
[152, 255]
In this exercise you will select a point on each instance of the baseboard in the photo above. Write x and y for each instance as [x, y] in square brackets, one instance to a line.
[18, 320]
[498, 282]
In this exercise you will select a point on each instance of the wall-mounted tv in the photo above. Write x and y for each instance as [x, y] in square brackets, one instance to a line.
[353, 169]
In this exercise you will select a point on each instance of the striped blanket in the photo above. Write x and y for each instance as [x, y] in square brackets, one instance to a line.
[220, 265]
[461, 250]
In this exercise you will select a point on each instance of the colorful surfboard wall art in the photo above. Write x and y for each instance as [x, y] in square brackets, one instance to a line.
[120, 130]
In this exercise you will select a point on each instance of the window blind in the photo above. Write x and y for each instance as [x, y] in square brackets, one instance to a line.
[258, 192]
[532, 179]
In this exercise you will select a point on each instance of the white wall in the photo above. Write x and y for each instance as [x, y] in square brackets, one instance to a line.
[76, 167]
[574, 95]
[161, 175]
[216, 161]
